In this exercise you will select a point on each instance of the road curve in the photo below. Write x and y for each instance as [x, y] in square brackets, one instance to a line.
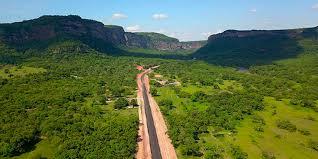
[153, 138]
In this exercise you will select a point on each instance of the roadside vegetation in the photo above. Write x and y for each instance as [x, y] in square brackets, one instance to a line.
[268, 111]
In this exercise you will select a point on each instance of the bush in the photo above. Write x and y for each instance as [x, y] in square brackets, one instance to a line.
[121, 103]
[237, 153]
[198, 96]
[259, 128]
[267, 155]
[287, 125]
[102, 99]
[157, 84]
[258, 119]
[304, 132]
[308, 103]
[313, 144]
[154, 92]
[191, 150]
[133, 102]
[167, 104]
[183, 94]
[214, 152]
[6, 71]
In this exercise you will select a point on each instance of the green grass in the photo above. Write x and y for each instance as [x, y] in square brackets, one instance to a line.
[281, 143]
[231, 85]
[192, 89]
[15, 71]
[43, 149]
[158, 52]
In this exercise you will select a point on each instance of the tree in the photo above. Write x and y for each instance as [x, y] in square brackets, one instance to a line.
[287, 125]
[191, 150]
[154, 92]
[103, 99]
[133, 102]
[6, 71]
[238, 153]
[121, 103]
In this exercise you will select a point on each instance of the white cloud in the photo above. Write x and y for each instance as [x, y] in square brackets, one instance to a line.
[207, 34]
[253, 10]
[159, 16]
[315, 6]
[119, 16]
[133, 28]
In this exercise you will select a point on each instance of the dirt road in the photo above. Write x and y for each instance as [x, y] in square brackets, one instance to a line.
[154, 142]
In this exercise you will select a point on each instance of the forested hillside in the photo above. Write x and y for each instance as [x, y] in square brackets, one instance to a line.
[255, 47]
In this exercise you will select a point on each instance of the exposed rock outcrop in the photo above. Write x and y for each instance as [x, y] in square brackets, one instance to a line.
[291, 33]
[159, 42]
[49, 27]
[92, 32]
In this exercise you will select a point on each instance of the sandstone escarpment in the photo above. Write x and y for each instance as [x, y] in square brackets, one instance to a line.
[159, 42]
[93, 33]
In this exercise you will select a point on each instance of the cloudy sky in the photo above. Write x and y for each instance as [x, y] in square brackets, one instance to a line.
[183, 19]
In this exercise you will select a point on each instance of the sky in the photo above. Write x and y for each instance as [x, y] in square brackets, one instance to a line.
[186, 20]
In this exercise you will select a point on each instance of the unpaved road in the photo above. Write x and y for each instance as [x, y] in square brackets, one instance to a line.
[154, 141]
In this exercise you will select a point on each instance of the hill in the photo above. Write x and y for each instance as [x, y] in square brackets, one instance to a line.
[41, 32]
[255, 47]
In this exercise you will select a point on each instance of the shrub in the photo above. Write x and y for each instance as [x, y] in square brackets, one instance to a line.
[308, 103]
[259, 128]
[183, 94]
[313, 144]
[6, 71]
[133, 102]
[214, 152]
[268, 155]
[102, 99]
[120, 103]
[168, 104]
[154, 92]
[258, 119]
[237, 153]
[191, 150]
[198, 96]
[287, 125]
[304, 132]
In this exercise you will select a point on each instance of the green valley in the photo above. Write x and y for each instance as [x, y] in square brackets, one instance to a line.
[68, 90]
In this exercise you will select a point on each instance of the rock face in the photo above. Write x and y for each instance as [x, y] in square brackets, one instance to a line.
[48, 28]
[291, 33]
[254, 47]
[159, 42]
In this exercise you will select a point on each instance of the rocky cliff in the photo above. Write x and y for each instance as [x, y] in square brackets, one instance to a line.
[290, 33]
[48, 28]
[254, 47]
[159, 42]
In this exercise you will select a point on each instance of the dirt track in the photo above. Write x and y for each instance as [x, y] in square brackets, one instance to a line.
[145, 149]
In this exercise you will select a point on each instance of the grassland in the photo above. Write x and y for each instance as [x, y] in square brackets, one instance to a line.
[9, 71]
[279, 142]
[257, 140]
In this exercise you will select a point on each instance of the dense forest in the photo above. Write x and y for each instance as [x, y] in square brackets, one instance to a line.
[67, 102]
